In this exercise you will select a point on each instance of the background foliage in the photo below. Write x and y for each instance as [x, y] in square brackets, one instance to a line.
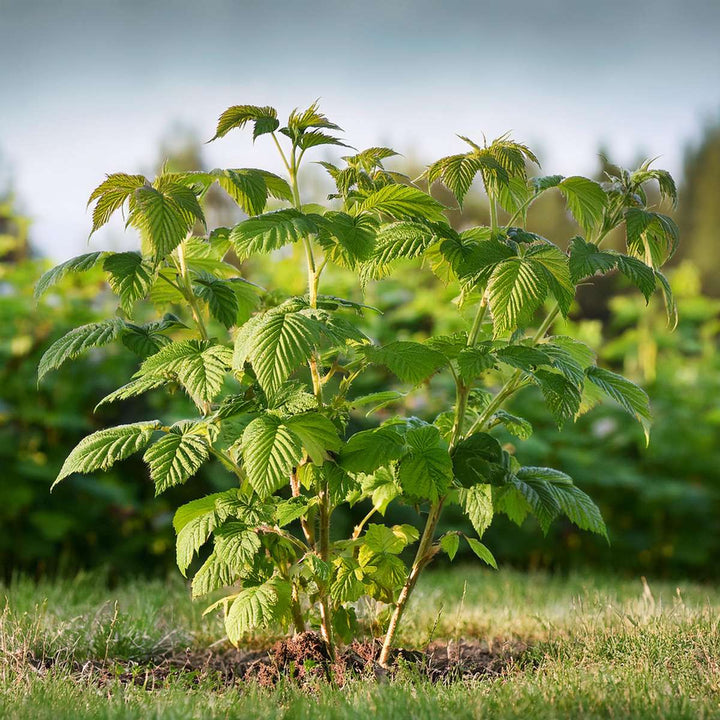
[660, 503]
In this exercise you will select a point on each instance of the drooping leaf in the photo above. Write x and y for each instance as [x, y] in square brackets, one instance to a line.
[476, 502]
[112, 194]
[638, 273]
[257, 607]
[264, 120]
[651, 237]
[572, 501]
[449, 544]
[561, 395]
[104, 448]
[220, 297]
[78, 341]
[482, 552]
[81, 263]
[631, 397]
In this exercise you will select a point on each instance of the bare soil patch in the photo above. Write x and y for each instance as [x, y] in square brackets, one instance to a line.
[303, 659]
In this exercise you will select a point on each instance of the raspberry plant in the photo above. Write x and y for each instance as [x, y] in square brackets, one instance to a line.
[272, 376]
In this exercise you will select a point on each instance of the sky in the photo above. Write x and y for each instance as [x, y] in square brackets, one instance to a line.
[90, 87]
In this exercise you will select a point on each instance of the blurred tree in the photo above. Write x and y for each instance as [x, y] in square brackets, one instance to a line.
[699, 207]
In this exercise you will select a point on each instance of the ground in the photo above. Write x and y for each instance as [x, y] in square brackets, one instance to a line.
[579, 646]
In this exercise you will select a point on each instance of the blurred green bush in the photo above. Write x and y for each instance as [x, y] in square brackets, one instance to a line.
[660, 502]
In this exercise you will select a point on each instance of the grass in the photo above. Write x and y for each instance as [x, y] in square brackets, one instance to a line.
[599, 647]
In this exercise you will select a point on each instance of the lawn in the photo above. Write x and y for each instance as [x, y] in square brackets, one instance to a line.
[582, 646]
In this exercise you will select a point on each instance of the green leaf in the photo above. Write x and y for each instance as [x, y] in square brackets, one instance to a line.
[572, 501]
[478, 459]
[264, 120]
[561, 396]
[382, 539]
[410, 361]
[291, 509]
[275, 344]
[220, 297]
[52, 277]
[585, 199]
[270, 231]
[482, 552]
[377, 400]
[257, 607]
[457, 173]
[403, 201]
[403, 239]
[165, 215]
[557, 273]
[104, 448]
[651, 237]
[130, 277]
[449, 544]
[250, 188]
[670, 304]
[346, 585]
[516, 289]
[369, 450]
[270, 452]
[147, 339]
[195, 521]
[78, 341]
[198, 365]
[132, 389]
[111, 195]
[176, 456]
[236, 544]
[522, 357]
[638, 273]
[317, 434]
[476, 502]
[212, 575]
[474, 361]
[426, 471]
[347, 240]
[519, 427]
[587, 260]
[631, 397]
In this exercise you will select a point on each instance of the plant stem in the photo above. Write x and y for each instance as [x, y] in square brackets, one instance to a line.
[324, 543]
[296, 610]
[422, 557]
[186, 289]
[324, 510]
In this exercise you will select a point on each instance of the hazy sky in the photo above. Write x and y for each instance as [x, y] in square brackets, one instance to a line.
[92, 86]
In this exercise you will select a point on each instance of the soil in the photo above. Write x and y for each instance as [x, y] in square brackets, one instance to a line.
[303, 659]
